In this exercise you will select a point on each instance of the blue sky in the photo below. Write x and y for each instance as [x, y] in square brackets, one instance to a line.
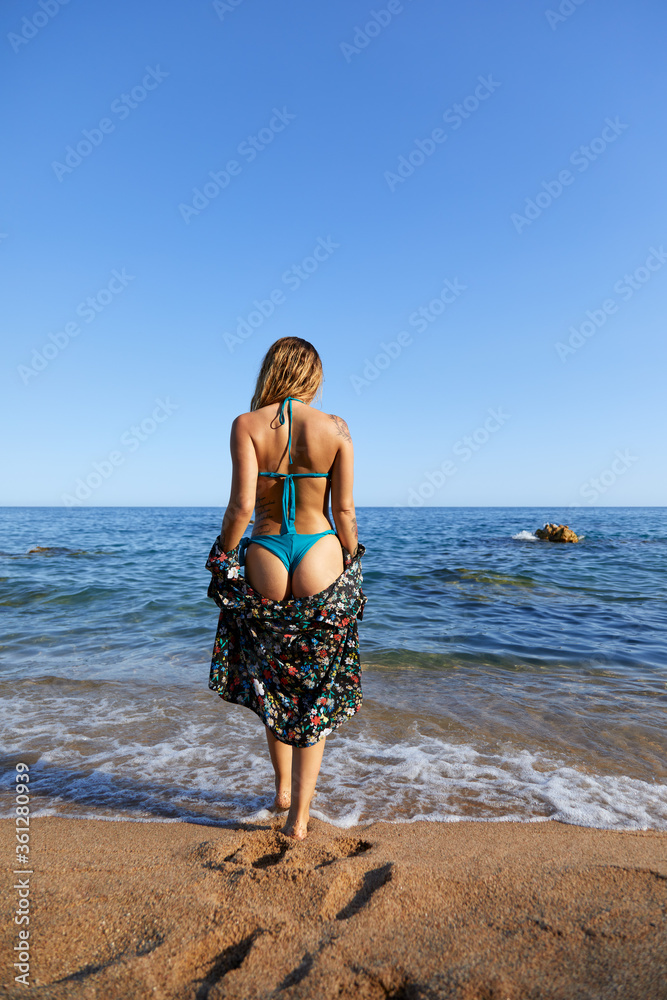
[461, 205]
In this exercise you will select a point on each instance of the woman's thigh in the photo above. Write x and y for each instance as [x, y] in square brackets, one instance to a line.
[266, 574]
[321, 565]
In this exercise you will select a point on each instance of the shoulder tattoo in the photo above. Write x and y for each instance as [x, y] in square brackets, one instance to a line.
[341, 427]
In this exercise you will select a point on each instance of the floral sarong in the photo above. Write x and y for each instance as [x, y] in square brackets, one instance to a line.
[295, 663]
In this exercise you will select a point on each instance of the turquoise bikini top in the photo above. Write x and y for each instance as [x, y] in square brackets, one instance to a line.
[289, 488]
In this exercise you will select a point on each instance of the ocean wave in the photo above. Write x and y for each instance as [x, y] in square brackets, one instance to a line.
[165, 757]
[525, 536]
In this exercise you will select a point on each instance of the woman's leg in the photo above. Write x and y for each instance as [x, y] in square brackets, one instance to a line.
[281, 758]
[296, 768]
[306, 763]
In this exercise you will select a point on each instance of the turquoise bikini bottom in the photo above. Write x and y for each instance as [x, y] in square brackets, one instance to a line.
[290, 547]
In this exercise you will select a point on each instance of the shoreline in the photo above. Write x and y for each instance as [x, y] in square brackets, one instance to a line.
[259, 822]
[468, 910]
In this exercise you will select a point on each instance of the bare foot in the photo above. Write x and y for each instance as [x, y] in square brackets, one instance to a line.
[281, 802]
[297, 831]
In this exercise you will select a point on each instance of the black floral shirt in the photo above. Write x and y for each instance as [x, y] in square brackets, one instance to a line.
[295, 663]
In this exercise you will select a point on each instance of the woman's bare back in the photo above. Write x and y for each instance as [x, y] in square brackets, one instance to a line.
[316, 442]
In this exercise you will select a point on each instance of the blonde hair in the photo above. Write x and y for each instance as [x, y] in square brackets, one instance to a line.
[290, 367]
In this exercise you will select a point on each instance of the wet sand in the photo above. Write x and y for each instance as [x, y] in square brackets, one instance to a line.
[467, 911]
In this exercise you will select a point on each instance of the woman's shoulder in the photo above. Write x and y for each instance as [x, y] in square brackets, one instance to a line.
[331, 422]
[338, 426]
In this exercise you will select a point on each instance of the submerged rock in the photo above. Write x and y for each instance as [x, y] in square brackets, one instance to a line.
[557, 533]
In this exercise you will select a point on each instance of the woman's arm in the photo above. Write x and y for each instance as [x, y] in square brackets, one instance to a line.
[244, 486]
[342, 502]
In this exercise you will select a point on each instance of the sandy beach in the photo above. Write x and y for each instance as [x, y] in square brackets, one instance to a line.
[467, 911]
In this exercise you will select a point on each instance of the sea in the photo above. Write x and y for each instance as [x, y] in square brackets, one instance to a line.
[504, 677]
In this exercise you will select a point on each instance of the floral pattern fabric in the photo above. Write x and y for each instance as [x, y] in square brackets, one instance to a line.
[295, 663]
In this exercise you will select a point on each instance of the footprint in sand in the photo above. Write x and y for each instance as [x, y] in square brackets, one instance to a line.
[350, 891]
[264, 850]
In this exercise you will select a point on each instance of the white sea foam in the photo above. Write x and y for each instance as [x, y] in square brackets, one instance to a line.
[173, 755]
[525, 536]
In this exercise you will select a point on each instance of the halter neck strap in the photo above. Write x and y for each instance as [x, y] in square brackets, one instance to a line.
[281, 420]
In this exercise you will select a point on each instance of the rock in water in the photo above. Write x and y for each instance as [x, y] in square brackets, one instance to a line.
[557, 533]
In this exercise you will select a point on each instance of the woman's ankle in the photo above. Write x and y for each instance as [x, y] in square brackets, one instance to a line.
[298, 817]
[296, 829]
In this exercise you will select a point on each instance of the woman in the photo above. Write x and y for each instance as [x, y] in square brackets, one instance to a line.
[287, 644]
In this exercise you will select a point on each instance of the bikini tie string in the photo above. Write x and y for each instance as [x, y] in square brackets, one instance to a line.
[281, 420]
